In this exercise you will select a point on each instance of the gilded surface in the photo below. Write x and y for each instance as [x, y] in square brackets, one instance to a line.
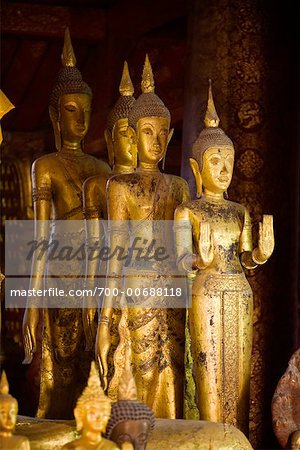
[8, 418]
[218, 245]
[57, 351]
[242, 79]
[146, 196]
[167, 435]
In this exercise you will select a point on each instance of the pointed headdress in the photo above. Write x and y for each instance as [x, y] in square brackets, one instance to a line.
[125, 102]
[4, 390]
[69, 79]
[148, 104]
[211, 135]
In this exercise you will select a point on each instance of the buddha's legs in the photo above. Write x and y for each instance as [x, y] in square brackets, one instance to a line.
[221, 336]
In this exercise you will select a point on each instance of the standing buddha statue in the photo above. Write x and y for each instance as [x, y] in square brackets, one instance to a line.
[57, 180]
[8, 418]
[122, 159]
[142, 198]
[221, 316]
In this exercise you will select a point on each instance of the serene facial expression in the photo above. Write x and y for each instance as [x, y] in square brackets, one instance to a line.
[134, 431]
[96, 417]
[8, 416]
[152, 138]
[124, 150]
[217, 168]
[74, 116]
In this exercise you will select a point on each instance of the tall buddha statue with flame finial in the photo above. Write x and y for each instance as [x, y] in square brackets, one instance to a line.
[92, 413]
[122, 159]
[214, 239]
[8, 418]
[141, 199]
[57, 180]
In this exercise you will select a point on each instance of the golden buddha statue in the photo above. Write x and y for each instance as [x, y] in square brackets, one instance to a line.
[92, 413]
[8, 418]
[143, 197]
[57, 180]
[122, 159]
[5, 107]
[220, 319]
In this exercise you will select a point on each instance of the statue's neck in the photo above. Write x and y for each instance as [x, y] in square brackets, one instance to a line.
[213, 196]
[71, 149]
[121, 168]
[148, 167]
[91, 436]
[5, 434]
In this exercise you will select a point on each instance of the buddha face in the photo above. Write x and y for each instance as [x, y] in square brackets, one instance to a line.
[8, 415]
[74, 116]
[123, 148]
[217, 169]
[152, 138]
[133, 431]
[95, 417]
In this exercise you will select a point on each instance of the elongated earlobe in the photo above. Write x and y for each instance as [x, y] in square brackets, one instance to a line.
[110, 148]
[56, 127]
[196, 171]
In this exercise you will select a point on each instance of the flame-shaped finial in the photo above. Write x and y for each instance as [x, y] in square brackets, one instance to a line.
[211, 119]
[126, 86]
[68, 56]
[4, 386]
[127, 386]
[147, 77]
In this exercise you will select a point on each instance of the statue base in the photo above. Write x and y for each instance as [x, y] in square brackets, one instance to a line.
[168, 434]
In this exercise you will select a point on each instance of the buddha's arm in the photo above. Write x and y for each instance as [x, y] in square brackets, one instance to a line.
[184, 240]
[118, 216]
[252, 258]
[118, 237]
[93, 212]
[41, 193]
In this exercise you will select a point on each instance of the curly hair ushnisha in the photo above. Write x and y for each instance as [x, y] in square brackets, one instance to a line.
[121, 108]
[148, 104]
[128, 407]
[69, 81]
[210, 136]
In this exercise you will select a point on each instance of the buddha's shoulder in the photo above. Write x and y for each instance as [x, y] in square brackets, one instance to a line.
[45, 160]
[236, 206]
[176, 180]
[101, 166]
[95, 182]
[123, 180]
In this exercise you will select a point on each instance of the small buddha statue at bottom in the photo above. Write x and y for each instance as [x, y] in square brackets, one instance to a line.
[131, 421]
[92, 413]
[8, 418]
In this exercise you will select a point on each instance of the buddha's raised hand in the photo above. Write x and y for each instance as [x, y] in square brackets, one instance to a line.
[205, 246]
[265, 241]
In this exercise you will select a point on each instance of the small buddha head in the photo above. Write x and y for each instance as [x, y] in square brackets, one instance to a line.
[8, 408]
[121, 149]
[213, 153]
[149, 121]
[93, 407]
[131, 421]
[70, 100]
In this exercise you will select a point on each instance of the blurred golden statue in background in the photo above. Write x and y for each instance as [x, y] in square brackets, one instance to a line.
[214, 238]
[8, 418]
[122, 159]
[92, 413]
